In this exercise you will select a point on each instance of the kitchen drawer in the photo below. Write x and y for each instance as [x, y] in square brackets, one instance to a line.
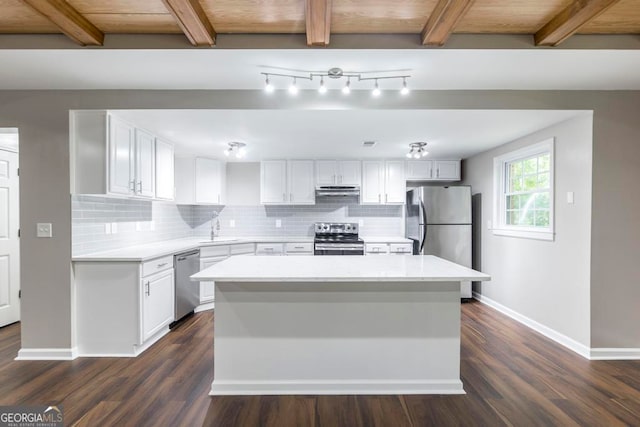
[269, 249]
[401, 248]
[299, 248]
[209, 251]
[376, 248]
[243, 248]
[157, 265]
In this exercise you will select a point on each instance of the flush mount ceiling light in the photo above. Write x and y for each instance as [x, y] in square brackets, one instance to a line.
[336, 74]
[238, 149]
[417, 150]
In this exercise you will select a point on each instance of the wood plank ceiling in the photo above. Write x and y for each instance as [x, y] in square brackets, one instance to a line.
[549, 21]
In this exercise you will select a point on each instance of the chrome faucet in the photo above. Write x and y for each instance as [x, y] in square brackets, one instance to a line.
[215, 230]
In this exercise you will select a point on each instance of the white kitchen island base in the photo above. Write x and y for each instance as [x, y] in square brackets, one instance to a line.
[336, 334]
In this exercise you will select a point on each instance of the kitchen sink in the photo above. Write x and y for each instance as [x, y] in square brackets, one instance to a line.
[220, 240]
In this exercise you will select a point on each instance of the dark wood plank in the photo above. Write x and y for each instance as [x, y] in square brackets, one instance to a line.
[513, 376]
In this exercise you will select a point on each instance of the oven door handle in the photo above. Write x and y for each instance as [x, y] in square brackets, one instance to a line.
[339, 248]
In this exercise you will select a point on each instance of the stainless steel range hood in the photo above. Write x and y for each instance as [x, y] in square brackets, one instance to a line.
[338, 191]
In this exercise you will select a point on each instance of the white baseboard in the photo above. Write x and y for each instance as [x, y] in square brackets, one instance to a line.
[204, 307]
[230, 388]
[552, 334]
[47, 354]
[615, 354]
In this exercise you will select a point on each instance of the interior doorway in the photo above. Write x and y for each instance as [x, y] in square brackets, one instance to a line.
[9, 227]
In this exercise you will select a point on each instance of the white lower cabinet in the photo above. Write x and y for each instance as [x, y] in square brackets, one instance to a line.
[376, 249]
[388, 249]
[270, 249]
[157, 302]
[207, 293]
[401, 248]
[122, 308]
[304, 248]
[211, 255]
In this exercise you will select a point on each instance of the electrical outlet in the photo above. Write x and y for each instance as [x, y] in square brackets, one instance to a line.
[107, 228]
[278, 223]
[114, 228]
[44, 229]
[232, 223]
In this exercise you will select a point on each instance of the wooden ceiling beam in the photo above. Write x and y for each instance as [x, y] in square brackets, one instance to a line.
[567, 22]
[193, 21]
[318, 17]
[69, 21]
[443, 20]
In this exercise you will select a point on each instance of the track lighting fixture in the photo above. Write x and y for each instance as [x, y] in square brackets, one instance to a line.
[337, 73]
[238, 149]
[417, 150]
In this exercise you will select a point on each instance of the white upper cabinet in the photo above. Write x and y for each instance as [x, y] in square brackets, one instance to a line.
[165, 187]
[273, 182]
[200, 181]
[383, 182]
[285, 182]
[419, 169]
[372, 191]
[145, 171]
[338, 172]
[435, 170]
[121, 143]
[395, 183]
[301, 182]
[447, 170]
[111, 156]
[210, 181]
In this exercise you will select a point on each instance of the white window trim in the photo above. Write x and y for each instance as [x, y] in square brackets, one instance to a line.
[500, 227]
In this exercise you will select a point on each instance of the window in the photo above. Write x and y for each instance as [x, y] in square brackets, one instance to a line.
[523, 186]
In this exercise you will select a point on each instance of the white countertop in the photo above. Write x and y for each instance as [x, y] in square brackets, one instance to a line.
[141, 253]
[338, 269]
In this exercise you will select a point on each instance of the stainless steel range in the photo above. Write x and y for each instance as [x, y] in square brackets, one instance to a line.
[337, 239]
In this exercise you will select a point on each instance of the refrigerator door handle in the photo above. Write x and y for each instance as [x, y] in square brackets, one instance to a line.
[424, 226]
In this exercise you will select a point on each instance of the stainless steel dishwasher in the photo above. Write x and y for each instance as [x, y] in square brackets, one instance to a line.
[187, 291]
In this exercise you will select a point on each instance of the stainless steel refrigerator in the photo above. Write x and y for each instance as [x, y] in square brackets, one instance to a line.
[438, 220]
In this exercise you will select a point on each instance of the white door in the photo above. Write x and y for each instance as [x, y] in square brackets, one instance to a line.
[301, 182]
[145, 164]
[395, 183]
[349, 172]
[9, 242]
[273, 182]
[326, 173]
[208, 181]
[447, 170]
[157, 302]
[164, 170]
[121, 155]
[372, 182]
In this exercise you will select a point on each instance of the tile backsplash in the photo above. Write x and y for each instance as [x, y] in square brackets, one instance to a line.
[140, 221]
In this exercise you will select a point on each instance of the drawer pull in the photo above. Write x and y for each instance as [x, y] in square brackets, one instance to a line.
[298, 247]
[148, 285]
[164, 263]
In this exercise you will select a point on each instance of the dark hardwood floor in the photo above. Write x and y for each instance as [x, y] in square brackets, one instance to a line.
[512, 376]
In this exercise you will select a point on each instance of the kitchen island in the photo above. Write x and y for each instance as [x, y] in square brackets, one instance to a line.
[337, 325]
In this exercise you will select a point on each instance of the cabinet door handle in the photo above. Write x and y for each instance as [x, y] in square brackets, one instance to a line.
[334, 179]
[284, 197]
[438, 173]
[379, 198]
[386, 196]
[431, 173]
[148, 285]
[139, 186]
[340, 179]
[218, 199]
[132, 185]
[268, 249]
[291, 197]
[164, 263]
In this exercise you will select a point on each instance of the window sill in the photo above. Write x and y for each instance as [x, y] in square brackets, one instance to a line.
[525, 234]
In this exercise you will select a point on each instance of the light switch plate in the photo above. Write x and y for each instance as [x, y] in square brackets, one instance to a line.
[107, 228]
[44, 229]
[570, 197]
[114, 228]
[278, 223]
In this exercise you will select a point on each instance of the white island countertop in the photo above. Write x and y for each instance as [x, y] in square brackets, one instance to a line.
[338, 268]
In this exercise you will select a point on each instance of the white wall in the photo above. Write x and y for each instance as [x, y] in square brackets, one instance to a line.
[548, 282]
[243, 184]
